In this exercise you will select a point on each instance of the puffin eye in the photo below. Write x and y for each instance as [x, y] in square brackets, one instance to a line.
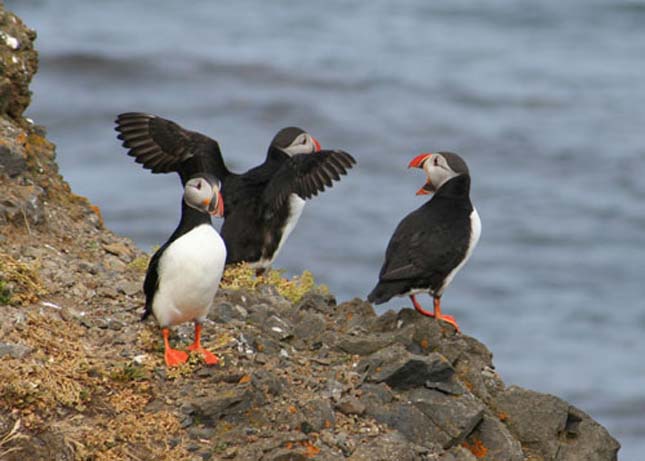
[436, 161]
[199, 185]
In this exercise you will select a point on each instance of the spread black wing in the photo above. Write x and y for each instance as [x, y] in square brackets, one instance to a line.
[306, 175]
[163, 146]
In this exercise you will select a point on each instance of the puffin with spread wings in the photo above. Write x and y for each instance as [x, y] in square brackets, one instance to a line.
[263, 204]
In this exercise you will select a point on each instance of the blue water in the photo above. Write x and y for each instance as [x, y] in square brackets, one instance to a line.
[545, 100]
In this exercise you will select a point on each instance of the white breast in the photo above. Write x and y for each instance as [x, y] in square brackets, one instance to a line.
[189, 273]
[475, 233]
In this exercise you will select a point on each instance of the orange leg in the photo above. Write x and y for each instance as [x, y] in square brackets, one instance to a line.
[446, 318]
[437, 312]
[196, 346]
[173, 356]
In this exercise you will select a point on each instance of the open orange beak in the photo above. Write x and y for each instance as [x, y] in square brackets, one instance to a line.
[417, 162]
[316, 144]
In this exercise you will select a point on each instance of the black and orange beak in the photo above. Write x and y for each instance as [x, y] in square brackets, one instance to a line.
[316, 144]
[216, 206]
[417, 162]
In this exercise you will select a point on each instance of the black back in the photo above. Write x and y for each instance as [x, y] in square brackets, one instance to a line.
[190, 218]
[428, 243]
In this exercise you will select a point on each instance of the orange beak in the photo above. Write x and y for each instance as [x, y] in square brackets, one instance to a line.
[316, 144]
[217, 211]
[220, 205]
[417, 162]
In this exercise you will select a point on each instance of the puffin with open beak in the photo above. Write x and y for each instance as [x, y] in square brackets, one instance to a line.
[184, 274]
[431, 244]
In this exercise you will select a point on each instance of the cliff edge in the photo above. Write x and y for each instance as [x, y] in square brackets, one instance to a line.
[301, 377]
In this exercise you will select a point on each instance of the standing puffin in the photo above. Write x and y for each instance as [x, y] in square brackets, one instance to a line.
[264, 204]
[431, 244]
[183, 275]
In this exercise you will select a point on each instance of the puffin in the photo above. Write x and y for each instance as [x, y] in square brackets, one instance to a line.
[184, 274]
[263, 204]
[431, 244]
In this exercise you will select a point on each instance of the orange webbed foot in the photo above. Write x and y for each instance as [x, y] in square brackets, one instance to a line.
[451, 320]
[174, 357]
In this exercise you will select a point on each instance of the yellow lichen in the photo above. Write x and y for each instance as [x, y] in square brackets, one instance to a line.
[19, 282]
[242, 276]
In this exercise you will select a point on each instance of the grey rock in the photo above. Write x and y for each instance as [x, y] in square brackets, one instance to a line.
[12, 160]
[318, 414]
[535, 419]
[285, 454]
[264, 380]
[278, 328]
[409, 421]
[316, 302]
[129, 288]
[258, 314]
[455, 416]
[354, 313]
[350, 405]
[492, 441]
[308, 325]
[15, 351]
[400, 369]
[211, 409]
[25, 203]
[583, 439]
[457, 454]
[225, 312]
[364, 344]
[387, 447]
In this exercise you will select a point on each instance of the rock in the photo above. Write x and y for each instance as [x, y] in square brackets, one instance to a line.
[12, 161]
[277, 327]
[583, 439]
[409, 421]
[18, 64]
[119, 249]
[129, 288]
[457, 454]
[352, 314]
[402, 370]
[318, 415]
[535, 419]
[225, 312]
[266, 381]
[285, 454]
[363, 345]
[351, 406]
[212, 408]
[492, 441]
[15, 351]
[390, 446]
[23, 204]
[456, 417]
[316, 302]
[308, 326]
[113, 263]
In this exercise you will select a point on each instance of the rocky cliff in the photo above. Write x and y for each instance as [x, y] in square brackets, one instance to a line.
[302, 377]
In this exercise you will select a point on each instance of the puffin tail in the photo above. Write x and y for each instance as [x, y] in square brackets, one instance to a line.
[379, 295]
